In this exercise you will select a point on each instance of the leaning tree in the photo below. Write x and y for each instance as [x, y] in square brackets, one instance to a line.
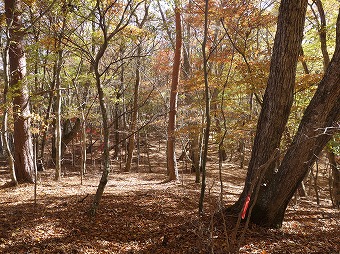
[320, 120]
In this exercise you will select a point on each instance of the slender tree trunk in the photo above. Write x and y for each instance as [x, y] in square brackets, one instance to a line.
[47, 117]
[207, 107]
[83, 147]
[131, 142]
[116, 128]
[335, 179]
[323, 34]
[23, 147]
[58, 116]
[195, 154]
[123, 146]
[82, 123]
[303, 62]
[103, 108]
[119, 110]
[4, 130]
[165, 24]
[117, 115]
[171, 151]
[2, 153]
[194, 136]
[278, 96]
[106, 149]
[221, 149]
[148, 152]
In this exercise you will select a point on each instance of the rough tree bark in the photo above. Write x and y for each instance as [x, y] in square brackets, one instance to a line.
[319, 122]
[23, 147]
[171, 155]
[278, 96]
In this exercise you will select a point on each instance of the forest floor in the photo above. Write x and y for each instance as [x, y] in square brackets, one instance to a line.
[139, 213]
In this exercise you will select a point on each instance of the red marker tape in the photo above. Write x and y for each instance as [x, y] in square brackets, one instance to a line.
[245, 207]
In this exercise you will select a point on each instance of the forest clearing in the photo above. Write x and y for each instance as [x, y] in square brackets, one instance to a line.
[140, 213]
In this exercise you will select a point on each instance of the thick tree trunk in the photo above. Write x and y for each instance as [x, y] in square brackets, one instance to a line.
[171, 154]
[23, 147]
[319, 122]
[278, 97]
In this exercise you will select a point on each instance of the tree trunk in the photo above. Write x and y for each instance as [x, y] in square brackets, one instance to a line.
[303, 61]
[96, 67]
[278, 96]
[131, 142]
[318, 124]
[171, 153]
[116, 135]
[207, 107]
[323, 34]
[194, 137]
[335, 182]
[23, 147]
[58, 144]
[46, 122]
[123, 146]
[83, 147]
[4, 131]
[67, 137]
[106, 149]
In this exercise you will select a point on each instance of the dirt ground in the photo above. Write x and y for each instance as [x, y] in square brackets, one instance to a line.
[141, 214]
